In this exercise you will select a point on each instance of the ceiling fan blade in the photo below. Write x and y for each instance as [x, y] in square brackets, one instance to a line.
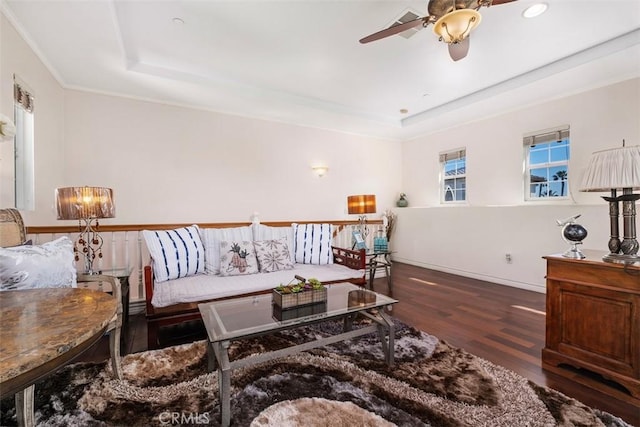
[394, 30]
[459, 50]
[497, 2]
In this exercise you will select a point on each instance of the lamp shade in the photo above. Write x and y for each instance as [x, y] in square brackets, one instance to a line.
[612, 169]
[85, 202]
[361, 204]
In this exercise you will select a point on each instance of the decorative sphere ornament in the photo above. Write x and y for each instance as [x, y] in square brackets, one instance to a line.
[573, 234]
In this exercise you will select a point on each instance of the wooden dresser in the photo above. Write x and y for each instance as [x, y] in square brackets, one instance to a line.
[593, 318]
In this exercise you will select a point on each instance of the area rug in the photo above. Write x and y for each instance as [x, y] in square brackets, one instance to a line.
[345, 384]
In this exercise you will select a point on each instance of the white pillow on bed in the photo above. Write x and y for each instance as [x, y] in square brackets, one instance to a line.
[237, 257]
[50, 265]
[176, 253]
[211, 239]
[312, 243]
[273, 255]
[264, 232]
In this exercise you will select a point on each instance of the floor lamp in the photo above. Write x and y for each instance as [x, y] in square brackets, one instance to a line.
[87, 205]
[361, 205]
[612, 170]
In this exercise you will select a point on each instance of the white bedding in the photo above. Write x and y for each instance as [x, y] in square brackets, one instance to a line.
[203, 287]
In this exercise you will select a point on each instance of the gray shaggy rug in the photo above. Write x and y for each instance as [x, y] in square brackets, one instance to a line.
[345, 384]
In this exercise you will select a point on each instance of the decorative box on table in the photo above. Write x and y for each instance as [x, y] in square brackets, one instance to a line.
[288, 300]
[299, 294]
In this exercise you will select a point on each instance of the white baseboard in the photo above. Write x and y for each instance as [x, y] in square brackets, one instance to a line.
[472, 275]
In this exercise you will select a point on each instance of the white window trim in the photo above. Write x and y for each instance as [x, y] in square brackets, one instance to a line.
[527, 140]
[443, 157]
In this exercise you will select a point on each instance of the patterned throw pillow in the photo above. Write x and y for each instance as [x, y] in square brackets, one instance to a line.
[50, 265]
[237, 258]
[313, 243]
[176, 253]
[273, 255]
[266, 232]
[211, 238]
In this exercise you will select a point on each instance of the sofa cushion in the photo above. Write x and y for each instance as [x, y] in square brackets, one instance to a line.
[265, 232]
[237, 257]
[312, 243]
[211, 238]
[50, 265]
[273, 255]
[176, 253]
[205, 287]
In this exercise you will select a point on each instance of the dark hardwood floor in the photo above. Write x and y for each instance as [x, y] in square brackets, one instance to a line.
[502, 324]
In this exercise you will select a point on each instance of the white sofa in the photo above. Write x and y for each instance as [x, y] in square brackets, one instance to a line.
[176, 300]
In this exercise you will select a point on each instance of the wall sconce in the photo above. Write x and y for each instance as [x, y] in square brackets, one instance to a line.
[320, 170]
[86, 204]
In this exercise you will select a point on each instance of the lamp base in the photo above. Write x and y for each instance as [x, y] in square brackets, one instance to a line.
[621, 258]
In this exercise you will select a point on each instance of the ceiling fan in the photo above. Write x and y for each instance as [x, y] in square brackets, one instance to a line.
[452, 21]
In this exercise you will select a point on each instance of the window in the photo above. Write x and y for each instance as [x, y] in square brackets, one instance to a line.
[453, 172]
[547, 164]
[24, 148]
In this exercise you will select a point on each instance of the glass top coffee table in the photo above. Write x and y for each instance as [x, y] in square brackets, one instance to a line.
[246, 317]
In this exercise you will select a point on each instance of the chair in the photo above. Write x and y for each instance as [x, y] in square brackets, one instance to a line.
[12, 230]
[13, 233]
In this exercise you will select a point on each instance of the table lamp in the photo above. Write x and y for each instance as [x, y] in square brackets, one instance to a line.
[361, 205]
[87, 205]
[611, 170]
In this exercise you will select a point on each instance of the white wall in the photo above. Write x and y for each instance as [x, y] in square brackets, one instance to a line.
[472, 239]
[16, 57]
[172, 164]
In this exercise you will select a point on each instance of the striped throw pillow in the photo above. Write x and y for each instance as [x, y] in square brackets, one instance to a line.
[176, 253]
[312, 243]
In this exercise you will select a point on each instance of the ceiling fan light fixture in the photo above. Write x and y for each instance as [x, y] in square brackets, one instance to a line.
[455, 26]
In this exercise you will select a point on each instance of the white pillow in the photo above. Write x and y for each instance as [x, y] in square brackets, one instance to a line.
[176, 253]
[312, 243]
[273, 255]
[50, 265]
[211, 238]
[265, 232]
[237, 257]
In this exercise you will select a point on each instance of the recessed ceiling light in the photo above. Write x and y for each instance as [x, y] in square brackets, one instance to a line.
[403, 111]
[178, 21]
[535, 10]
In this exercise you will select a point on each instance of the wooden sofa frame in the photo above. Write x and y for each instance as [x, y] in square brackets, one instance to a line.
[158, 317]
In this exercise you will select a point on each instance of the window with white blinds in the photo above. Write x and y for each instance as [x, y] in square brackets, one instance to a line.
[547, 156]
[453, 175]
